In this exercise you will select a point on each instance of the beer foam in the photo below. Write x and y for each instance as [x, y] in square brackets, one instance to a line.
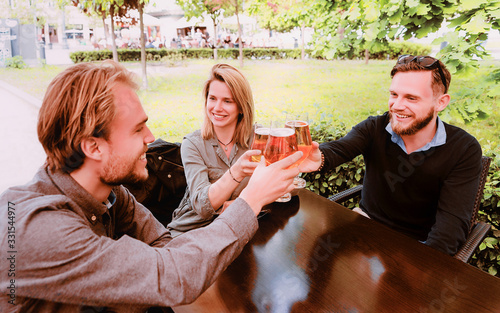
[282, 132]
[297, 123]
[262, 131]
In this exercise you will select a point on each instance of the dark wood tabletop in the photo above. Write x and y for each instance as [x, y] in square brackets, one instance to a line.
[313, 255]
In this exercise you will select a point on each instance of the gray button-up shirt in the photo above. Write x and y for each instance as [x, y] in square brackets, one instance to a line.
[72, 251]
[204, 163]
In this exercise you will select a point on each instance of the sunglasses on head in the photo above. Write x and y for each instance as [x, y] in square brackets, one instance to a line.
[426, 62]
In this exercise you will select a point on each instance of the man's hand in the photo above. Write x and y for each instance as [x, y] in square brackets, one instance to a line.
[268, 183]
[225, 205]
[313, 161]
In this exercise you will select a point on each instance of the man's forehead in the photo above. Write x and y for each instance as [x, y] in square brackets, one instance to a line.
[127, 104]
[414, 78]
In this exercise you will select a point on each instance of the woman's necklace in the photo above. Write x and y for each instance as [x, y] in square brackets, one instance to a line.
[224, 144]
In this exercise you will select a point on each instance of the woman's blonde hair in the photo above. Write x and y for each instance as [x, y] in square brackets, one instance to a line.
[242, 95]
[78, 104]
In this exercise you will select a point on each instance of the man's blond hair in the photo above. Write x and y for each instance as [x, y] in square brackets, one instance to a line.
[78, 104]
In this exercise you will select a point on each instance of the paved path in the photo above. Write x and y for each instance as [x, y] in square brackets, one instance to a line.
[21, 153]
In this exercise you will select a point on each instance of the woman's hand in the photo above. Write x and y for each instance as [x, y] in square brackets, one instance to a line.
[222, 189]
[244, 166]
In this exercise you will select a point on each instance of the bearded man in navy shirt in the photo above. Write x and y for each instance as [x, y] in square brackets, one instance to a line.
[421, 174]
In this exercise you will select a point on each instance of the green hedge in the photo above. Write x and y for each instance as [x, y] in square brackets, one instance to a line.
[350, 174]
[487, 257]
[192, 53]
[391, 50]
[15, 62]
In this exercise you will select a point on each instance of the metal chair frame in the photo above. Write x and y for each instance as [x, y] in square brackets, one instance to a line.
[478, 229]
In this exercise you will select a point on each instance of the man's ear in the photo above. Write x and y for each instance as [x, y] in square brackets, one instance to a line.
[443, 102]
[91, 148]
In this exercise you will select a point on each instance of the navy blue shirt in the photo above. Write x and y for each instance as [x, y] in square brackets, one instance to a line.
[427, 194]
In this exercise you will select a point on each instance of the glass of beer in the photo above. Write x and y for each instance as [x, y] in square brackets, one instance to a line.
[281, 143]
[259, 140]
[300, 123]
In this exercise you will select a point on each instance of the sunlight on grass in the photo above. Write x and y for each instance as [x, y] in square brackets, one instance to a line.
[32, 80]
[348, 91]
[278, 87]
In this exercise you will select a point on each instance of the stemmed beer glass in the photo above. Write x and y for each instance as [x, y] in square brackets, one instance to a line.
[300, 123]
[259, 140]
[281, 143]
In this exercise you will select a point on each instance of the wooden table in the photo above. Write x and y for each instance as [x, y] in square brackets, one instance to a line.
[313, 255]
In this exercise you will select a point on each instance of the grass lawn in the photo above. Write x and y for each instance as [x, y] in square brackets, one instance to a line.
[348, 91]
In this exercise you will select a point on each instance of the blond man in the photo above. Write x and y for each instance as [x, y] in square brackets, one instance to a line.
[79, 238]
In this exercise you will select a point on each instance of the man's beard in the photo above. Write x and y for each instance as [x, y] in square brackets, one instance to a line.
[122, 170]
[414, 127]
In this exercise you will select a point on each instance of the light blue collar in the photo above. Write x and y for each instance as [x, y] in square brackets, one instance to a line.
[438, 139]
[110, 200]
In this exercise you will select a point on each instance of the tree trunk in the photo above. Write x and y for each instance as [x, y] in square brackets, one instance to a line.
[302, 52]
[215, 38]
[143, 48]
[240, 44]
[367, 56]
[113, 40]
[106, 35]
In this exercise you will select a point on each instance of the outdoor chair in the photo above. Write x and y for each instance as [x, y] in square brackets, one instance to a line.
[478, 229]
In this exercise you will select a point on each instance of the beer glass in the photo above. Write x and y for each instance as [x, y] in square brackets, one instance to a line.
[259, 140]
[281, 143]
[300, 123]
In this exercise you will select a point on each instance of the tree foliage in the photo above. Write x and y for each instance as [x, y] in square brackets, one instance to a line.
[25, 11]
[216, 9]
[118, 9]
[341, 25]
[282, 15]
[102, 9]
[196, 8]
[234, 7]
[343, 28]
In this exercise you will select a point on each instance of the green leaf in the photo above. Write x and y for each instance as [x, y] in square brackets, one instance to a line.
[412, 3]
[450, 10]
[492, 270]
[495, 14]
[491, 240]
[372, 13]
[472, 4]
[354, 12]
[477, 24]
[482, 246]
[423, 9]
[494, 91]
